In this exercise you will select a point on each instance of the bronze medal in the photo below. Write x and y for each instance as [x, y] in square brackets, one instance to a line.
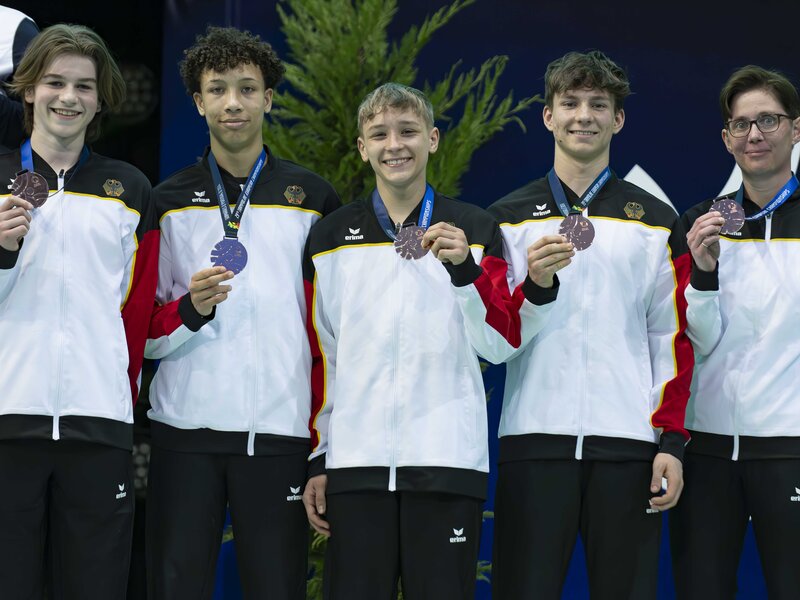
[578, 230]
[30, 186]
[408, 243]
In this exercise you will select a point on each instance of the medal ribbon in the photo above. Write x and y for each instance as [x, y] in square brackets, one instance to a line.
[232, 220]
[27, 157]
[782, 196]
[561, 198]
[425, 214]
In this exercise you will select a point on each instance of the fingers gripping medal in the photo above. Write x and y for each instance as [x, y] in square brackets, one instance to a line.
[732, 212]
[578, 230]
[30, 186]
[231, 254]
[408, 242]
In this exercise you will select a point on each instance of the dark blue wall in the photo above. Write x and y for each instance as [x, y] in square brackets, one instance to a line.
[677, 54]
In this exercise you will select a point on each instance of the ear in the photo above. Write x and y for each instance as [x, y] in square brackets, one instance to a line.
[795, 131]
[547, 117]
[726, 139]
[29, 95]
[434, 139]
[198, 102]
[362, 149]
[267, 100]
[619, 120]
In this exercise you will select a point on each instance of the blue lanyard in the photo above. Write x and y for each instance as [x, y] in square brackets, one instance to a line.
[561, 198]
[782, 196]
[425, 214]
[27, 157]
[231, 221]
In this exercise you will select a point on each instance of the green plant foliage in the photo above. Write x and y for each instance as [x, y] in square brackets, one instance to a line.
[339, 51]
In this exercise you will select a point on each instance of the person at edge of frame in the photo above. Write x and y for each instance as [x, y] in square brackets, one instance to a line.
[231, 398]
[592, 426]
[78, 269]
[405, 286]
[16, 31]
[742, 315]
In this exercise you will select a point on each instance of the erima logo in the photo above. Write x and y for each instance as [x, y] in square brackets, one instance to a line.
[295, 496]
[795, 498]
[122, 492]
[735, 233]
[541, 210]
[459, 538]
[200, 197]
[651, 511]
[354, 234]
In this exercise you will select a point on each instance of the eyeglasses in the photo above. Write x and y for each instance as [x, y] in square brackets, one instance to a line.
[765, 124]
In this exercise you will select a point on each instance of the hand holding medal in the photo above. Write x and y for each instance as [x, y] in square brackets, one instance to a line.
[206, 289]
[447, 242]
[703, 240]
[547, 255]
[15, 222]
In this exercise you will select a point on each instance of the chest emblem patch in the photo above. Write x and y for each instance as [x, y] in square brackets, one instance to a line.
[634, 210]
[113, 187]
[294, 194]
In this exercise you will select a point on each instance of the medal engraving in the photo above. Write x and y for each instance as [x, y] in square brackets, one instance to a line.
[578, 230]
[231, 254]
[409, 243]
[30, 186]
[733, 214]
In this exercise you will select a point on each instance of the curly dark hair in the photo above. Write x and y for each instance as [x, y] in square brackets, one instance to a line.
[592, 69]
[225, 48]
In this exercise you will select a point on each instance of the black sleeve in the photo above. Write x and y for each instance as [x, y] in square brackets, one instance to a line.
[12, 131]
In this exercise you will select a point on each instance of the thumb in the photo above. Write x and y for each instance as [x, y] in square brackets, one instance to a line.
[655, 480]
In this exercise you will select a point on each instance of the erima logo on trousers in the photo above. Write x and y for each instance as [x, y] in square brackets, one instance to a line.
[795, 498]
[122, 492]
[295, 494]
[459, 538]
[354, 234]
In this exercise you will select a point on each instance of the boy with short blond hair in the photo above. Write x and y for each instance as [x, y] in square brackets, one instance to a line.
[405, 287]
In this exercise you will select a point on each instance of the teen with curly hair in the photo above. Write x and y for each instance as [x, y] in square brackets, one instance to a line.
[231, 399]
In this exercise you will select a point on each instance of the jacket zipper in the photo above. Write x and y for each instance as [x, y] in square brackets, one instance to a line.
[63, 320]
[585, 352]
[396, 361]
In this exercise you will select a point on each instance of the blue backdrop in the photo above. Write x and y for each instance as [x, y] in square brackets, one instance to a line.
[677, 54]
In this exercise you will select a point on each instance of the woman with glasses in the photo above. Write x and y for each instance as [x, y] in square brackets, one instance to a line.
[743, 315]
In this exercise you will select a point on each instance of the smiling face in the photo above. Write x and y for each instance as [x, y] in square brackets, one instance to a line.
[397, 144]
[234, 103]
[583, 121]
[64, 99]
[762, 155]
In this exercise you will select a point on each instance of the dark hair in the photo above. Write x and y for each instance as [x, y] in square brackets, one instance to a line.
[59, 40]
[225, 48]
[753, 77]
[576, 70]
